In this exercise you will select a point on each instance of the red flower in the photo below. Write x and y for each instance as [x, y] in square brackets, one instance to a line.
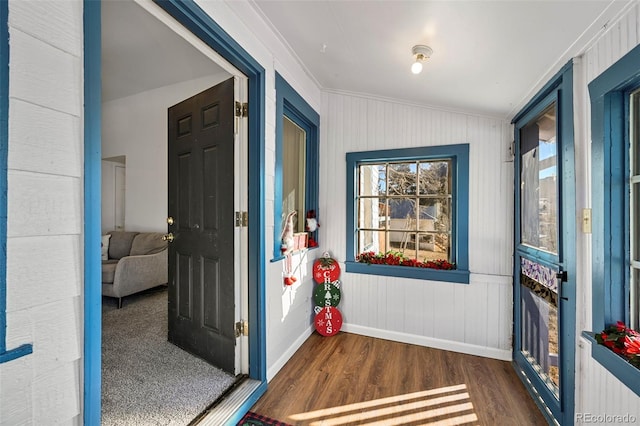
[632, 345]
[621, 327]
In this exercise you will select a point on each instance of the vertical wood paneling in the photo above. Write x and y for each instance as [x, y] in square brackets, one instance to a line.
[597, 391]
[450, 312]
[601, 393]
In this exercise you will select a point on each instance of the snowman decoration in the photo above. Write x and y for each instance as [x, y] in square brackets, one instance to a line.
[286, 247]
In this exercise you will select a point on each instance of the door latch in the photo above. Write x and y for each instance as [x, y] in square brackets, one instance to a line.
[563, 277]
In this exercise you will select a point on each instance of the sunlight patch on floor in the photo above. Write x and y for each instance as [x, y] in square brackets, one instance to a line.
[449, 405]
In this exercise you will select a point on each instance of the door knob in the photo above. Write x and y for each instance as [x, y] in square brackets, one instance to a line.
[168, 237]
[170, 220]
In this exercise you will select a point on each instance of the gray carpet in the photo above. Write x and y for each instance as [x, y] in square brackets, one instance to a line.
[145, 379]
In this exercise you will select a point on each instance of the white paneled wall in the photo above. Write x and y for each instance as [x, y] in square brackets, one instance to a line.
[44, 249]
[597, 391]
[135, 127]
[474, 318]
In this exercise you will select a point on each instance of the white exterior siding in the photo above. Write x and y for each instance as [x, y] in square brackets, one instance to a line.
[474, 318]
[44, 244]
[597, 391]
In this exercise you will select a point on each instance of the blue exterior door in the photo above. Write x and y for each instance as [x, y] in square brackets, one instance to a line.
[544, 271]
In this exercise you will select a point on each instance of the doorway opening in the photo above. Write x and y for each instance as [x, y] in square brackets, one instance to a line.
[149, 63]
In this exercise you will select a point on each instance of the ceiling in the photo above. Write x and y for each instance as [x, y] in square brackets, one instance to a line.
[139, 53]
[489, 56]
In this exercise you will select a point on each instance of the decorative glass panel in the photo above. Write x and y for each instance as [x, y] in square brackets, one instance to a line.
[538, 182]
[539, 322]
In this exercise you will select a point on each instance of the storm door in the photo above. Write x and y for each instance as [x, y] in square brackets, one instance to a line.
[544, 292]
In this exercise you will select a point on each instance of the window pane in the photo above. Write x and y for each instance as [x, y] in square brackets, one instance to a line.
[401, 212]
[634, 212]
[402, 179]
[538, 184]
[371, 213]
[294, 141]
[635, 299]
[635, 222]
[634, 153]
[372, 179]
[433, 247]
[434, 178]
[434, 214]
[371, 241]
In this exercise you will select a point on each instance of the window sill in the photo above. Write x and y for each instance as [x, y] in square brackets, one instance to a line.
[301, 251]
[616, 365]
[15, 353]
[452, 276]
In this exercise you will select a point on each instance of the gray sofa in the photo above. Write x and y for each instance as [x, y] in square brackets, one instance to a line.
[136, 261]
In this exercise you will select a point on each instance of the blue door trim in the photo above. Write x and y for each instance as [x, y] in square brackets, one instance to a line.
[560, 89]
[92, 213]
[192, 17]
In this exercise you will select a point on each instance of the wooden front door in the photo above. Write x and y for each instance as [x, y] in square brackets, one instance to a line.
[201, 203]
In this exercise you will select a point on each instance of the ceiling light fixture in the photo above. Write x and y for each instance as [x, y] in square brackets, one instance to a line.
[421, 54]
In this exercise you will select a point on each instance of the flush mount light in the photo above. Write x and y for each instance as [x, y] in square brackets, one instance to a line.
[421, 53]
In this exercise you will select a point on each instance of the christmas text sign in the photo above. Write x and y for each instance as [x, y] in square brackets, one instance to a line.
[328, 321]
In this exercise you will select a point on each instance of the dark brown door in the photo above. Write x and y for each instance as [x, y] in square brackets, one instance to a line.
[201, 196]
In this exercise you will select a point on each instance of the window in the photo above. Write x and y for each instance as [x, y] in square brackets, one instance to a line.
[615, 128]
[294, 141]
[25, 349]
[634, 212]
[296, 173]
[411, 203]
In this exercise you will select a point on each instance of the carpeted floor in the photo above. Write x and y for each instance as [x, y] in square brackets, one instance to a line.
[145, 379]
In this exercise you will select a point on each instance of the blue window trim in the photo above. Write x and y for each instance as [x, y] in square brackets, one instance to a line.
[619, 367]
[460, 233]
[290, 104]
[192, 17]
[25, 349]
[610, 201]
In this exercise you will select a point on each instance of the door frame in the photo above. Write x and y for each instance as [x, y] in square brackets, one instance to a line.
[560, 88]
[194, 19]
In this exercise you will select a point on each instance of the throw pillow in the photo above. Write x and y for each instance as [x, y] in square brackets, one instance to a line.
[105, 246]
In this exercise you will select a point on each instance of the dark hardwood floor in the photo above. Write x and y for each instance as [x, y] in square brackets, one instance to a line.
[350, 379]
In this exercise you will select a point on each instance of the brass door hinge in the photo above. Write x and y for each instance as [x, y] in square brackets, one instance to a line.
[242, 219]
[242, 328]
[242, 109]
